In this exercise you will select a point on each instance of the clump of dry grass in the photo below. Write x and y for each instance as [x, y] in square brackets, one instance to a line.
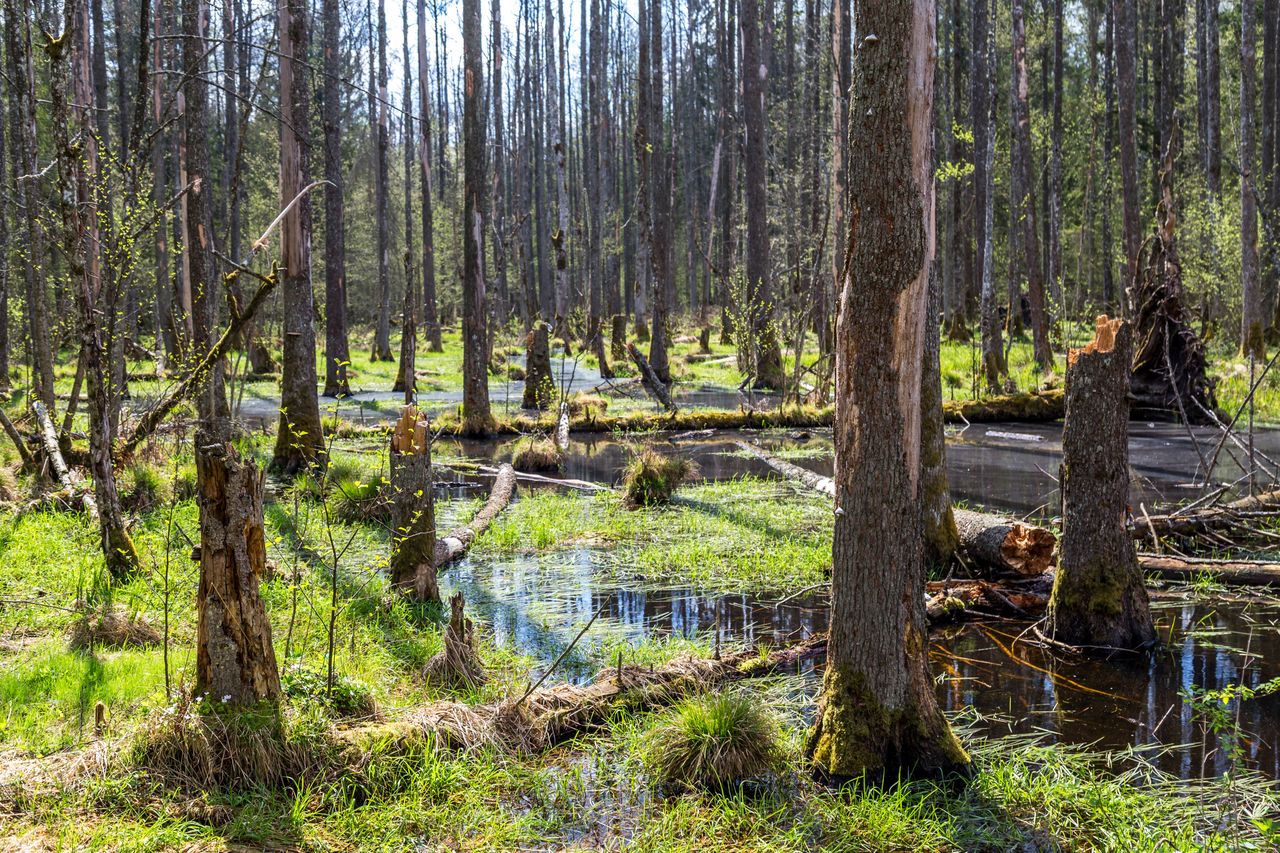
[587, 404]
[112, 628]
[712, 743]
[8, 485]
[143, 487]
[536, 453]
[362, 501]
[652, 478]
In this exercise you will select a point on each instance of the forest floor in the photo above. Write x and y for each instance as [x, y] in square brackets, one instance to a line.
[660, 576]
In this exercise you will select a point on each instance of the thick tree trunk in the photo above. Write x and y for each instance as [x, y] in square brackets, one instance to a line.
[475, 336]
[1005, 544]
[337, 356]
[877, 713]
[299, 440]
[1252, 319]
[235, 659]
[1099, 599]
[1027, 204]
[539, 387]
[413, 520]
[430, 313]
[1127, 100]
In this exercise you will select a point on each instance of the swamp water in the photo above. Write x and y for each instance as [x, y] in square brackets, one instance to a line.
[539, 602]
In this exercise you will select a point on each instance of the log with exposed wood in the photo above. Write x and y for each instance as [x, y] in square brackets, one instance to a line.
[61, 473]
[995, 542]
[1264, 505]
[413, 521]
[950, 601]
[1230, 572]
[456, 544]
[652, 383]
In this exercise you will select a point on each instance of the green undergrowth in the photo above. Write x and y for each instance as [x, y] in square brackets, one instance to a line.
[742, 535]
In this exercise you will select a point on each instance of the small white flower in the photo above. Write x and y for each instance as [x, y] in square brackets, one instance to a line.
[226, 699]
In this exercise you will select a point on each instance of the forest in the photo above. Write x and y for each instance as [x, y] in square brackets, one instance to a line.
[704, 425]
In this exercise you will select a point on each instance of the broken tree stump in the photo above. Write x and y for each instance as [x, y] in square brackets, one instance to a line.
[539, 387]
[1098, 599]
[413, 521]
[455, 545]
[457, 666]
[234, 654]
[655, 386]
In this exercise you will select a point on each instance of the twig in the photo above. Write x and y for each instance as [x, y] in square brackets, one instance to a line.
[563, 654]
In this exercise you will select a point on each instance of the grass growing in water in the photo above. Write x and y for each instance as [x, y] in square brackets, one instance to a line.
[536, 453]
[712, 743]
[652, 478]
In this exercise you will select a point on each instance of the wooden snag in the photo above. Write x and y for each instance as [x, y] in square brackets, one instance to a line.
[413, 530]
[457, 666]
[235, 659]
[539, 387]
[652, 383]
[1099, 599]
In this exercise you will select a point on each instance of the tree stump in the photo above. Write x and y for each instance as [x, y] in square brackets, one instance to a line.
[413, 519]
[234, 654]
[539, 387]
[1099, 598]
[456, 666]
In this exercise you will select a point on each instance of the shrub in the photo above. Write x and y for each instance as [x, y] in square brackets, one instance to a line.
[652, 478]
[144, 487]
[535, 453]
[715, 742]
[348, 698]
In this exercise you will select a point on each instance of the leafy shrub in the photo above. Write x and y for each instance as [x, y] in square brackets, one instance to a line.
[348, 698]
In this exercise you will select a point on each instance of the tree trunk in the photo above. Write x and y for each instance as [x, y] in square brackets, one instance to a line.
[940, 535]
[4, 269]
[430, 313]
[877, 713]
[337, 356]
[767, 361]
[993, 360]
[1126, 99]
[413, 520]
[475, 336]
[539, 387]
[552, 59]
[1027, 204]
[1098, 595]
[406, 375]
[299, 440]
[1252, 319]
[382, 330]
[235, 659]
[650, 379]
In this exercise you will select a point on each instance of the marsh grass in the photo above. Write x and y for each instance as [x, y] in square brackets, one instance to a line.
[651, 478]
[536, 453]
[714, 743]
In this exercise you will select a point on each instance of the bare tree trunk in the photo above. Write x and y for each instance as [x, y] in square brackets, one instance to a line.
[299, 440]
[235, 660]
[413, 520]
[337, 355]
[4, 272]
[1126, 99]
[993, 361]
[475, 338]
[1252, 318]
[166, 334]
[382, 330]
[551, 60]
[539, 387]
[1099, 597]
[499, 209]
[877, 713]
[940, 535]
[430, 313]
[759, 308]
[1027, 204]
[406, 376]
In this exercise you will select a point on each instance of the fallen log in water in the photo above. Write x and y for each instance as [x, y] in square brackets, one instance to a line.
[456, 544]
[655, 386]
[948, 601]
[1191, 522]
[550, 715]
[1047, 405]
[1004, 544]
[1230, 572]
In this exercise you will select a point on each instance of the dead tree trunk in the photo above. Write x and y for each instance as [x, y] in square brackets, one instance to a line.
[650, 379]
[234, 654]
[413, 520]
[456, 666]
[475, 324]
[455, 545]
[1098, 599]
[539, 388]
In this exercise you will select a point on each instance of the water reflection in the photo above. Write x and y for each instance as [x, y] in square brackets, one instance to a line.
[539, 603]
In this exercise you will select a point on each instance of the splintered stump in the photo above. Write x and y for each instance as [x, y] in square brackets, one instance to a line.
[234, 655]
[539, 387]
[649, 379]
[457, 666]
[413, 520]
[453, 546]
[1098, 598]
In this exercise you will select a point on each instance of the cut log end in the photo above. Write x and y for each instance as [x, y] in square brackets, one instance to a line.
[1028, 550]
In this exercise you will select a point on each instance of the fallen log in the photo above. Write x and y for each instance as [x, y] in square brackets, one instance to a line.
[655, 386]
[1229, 572]
[580, 485]
[948, 601]
[1004, 544]
[61, 473]
[456, 544]
[1265, 505]
[1038, 406]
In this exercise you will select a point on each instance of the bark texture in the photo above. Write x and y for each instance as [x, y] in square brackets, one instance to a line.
[234, 654]
[475, 324]
[413, 520]
[877, 713]
[539, 387]
[1098, 599]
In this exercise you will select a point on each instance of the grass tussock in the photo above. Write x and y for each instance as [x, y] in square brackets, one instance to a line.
[536, 453]
[652, 478]
[713, 743]
[112, 628]
[144, 487]
[360, 501]
[8, 485]
[587, 405]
